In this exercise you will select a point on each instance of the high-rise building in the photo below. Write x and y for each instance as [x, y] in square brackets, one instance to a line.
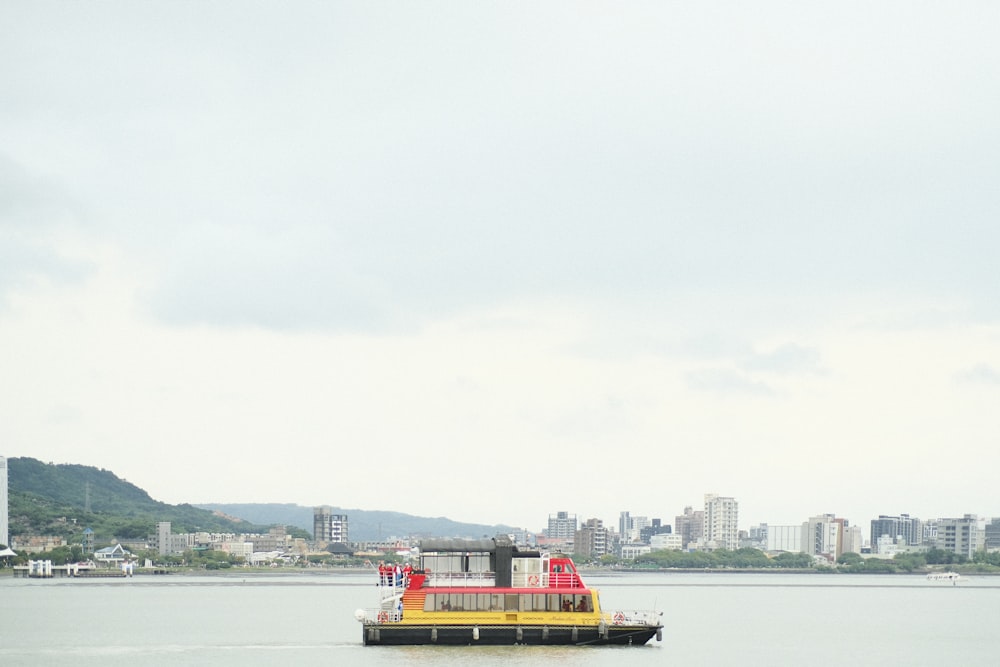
[689, 525]
[592, 539]
[655, 528]
[562, 525]
[721, 522]
[992, 535]
[823, 535]
[902, 529]
[624, 525]
[960, 536]
[329, 527]
[4, 519]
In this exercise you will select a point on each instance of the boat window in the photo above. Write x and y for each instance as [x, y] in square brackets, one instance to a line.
[510, 601]
[479, 562]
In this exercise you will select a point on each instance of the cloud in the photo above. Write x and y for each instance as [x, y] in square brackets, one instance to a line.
[35, 215]
[981, 374]
[724, 381]
[786, 359]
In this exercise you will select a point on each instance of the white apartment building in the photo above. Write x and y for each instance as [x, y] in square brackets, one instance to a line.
[721, 523]
[631, 551]
[666, 541]
[960, 536]
[822, 535]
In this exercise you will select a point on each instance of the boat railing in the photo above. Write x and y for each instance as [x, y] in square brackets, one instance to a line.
[632, 617]
[377, 615]
[461, 579]
[564, 580]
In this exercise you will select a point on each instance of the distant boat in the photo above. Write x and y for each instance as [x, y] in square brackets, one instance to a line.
[953, 577]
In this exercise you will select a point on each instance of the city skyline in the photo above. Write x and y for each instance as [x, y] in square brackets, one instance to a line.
[639, 250]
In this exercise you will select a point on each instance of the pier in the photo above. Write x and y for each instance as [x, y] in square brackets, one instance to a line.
[44, 569]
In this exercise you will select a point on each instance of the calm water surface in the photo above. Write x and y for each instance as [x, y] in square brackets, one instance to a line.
[710, 619]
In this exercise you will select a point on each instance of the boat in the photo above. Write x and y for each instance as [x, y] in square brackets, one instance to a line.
[469, 592]
[953, 577]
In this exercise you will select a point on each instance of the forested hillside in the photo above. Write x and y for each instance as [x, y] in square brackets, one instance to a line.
[53, 499]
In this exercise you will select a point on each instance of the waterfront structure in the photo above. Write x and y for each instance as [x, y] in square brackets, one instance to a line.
[960, 536]
[721, 522]
[901, 529]
[329, 527]
[4, 508]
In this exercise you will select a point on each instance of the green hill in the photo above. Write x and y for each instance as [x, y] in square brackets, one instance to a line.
[363, 525]
[64, 499]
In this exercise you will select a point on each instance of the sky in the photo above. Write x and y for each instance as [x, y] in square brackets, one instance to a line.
[490, 261]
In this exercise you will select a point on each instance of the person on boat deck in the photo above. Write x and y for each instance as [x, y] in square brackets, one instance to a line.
[399, 575]
[567, 605]
[582, 606]
[445, 605]
[407, 571]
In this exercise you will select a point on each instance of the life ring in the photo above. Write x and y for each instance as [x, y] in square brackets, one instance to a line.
[618, 618]
[383, 617]
[533, 580]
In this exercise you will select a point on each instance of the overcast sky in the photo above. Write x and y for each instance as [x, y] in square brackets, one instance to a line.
[490, 261]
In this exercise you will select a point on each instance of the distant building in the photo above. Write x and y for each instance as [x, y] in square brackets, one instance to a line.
[34, 544]
[624, 525]
[960, 536]
[592, 539]
[665, 542]
[4, 509]
[165, 543]
[562, 527]
[785, 538]
[902, 529]
[992, 536]
[632, 551]
[112, 555]
[755, 538]
[824, 535]
[721, 522]
[646, 533]
[329, 527]
[690, 526]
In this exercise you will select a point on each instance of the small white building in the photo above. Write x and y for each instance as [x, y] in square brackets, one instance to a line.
[115, 555]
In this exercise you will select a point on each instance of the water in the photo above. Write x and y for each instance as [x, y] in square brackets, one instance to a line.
[710, 619]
